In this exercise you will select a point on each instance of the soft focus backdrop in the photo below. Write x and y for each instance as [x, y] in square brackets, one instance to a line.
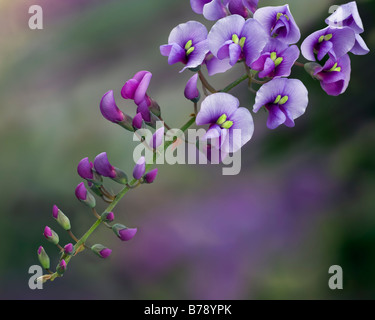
[304, 200]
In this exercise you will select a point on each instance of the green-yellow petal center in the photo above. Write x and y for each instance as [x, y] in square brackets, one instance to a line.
[281, 100]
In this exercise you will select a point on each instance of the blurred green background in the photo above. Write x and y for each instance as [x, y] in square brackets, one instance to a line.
[304, 199]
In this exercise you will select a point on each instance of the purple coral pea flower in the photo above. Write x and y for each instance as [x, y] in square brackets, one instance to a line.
[136, 88]
[333, 41]
[276, 60]
[191, 91]
[334, 76]
[285, 99]
[279, 23]
[138, 121]
[123, 232]
[346, 15]
[139, 168]
[211, 9]
[84, 169]
[109, 109]
[235, 38]
[187, 43]
[103, 166]
[242, 7]
[151, 175]
[68, 249]
[85, 196]
[222, 112]
[108, 216]
[157, 138]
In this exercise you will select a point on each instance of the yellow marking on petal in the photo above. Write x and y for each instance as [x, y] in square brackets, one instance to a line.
[242, 42]
[227, 124]
[235, 39]
[333, 68]
[328, 37]
[278, 61]
[278, 16]
[278, 98]
[321, 39]
[188, 45]
[273, 56]
[222, 119]
[283, 100]
[190, 51]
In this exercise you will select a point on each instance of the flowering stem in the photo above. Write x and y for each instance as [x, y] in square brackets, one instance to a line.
[235, 83]
[205, 82]
[72, 235]
[299, 64]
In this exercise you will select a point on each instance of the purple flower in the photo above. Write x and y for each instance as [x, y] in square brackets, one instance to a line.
[109, 109]
[333, 41]
[235, 38]
[187, 43]
[139, 168]
[101, 251]
[108, 216]
[84, 169]
[157, 138]
[151, 175]
[215, 65]
[276, 60]
[61, 268]
[68, 249]
[51, 235]
[191, 91]
[105, 169]
[43, 258]
[211, 9]
[346, 15]
[136, 88]
[285, 99]
[138, 121]
[61, 218]
[103, 166]
[242, 7]
[230, 126]
[334, 76]
[279, 22]
[85, 196]
[124, 233]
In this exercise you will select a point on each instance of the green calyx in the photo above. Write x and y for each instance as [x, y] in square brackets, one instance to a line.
[281, 100]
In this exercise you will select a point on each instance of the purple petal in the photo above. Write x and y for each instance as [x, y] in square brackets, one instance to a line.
[139, 168]
[140, 93]
[55, 211]
[109, 109]
[177, 54]
[324, 48]
[47, 232]
[197, 57]
[81, 191]
[138, 121]
[157, 138]
[234, 53]
[215, 65]
[127, 234]
[214, 106]
[223, 30]
[214, 10]
[151, 175]
[275, 118]
[290, 56]
[268, 68]
[105, 253]
[343, 41]
[346, 15]
[129, 88]
[84, 169]
[103, 167]
[360, 48]
[197, 5]
[191, 30]
[191, 91]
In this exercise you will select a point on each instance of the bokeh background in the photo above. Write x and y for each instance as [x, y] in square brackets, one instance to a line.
[304, 199]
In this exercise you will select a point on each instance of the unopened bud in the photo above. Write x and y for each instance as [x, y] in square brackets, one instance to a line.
[51, 235]
[123, 232]
[43, 258]
[61, 218]
[101, 251]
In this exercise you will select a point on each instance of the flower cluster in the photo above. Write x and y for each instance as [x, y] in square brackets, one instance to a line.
[263, 41]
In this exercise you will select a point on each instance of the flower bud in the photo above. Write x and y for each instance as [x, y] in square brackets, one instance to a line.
[124, 233]
[61, 218]
[108, 216]
[151, 175]
[51, 235]
[43, 258]
[138, 122]
[101, 251]
[85, 196]
[109, 109]
[311, 67]
[157, 138]
[104, 168]
[61, 268]
[68, 249]
[139, 168]
[191, 91]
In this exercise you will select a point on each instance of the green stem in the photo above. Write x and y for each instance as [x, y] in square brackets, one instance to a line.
[235, 83]
[117, 199]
